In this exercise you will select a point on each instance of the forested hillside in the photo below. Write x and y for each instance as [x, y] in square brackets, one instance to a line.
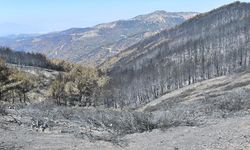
[210, 45]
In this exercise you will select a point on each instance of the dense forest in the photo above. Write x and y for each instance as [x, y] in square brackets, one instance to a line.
[207, 46]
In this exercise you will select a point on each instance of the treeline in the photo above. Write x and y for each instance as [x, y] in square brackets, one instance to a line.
[27, 59]
[212, 45]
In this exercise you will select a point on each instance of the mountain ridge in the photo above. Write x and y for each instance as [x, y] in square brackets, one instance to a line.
[147, 41]
[94, 44]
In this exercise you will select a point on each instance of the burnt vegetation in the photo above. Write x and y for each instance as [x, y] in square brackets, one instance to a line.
[207, 46]
[27, 59]
[98, 104]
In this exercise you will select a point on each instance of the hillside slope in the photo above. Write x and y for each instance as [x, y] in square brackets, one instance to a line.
[213, 114]
[237, 86]
[207, 46]
[93, 45]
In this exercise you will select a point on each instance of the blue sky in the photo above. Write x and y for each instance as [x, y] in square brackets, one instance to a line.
[40, 16]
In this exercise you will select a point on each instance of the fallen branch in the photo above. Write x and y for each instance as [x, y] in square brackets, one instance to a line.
[15, 120]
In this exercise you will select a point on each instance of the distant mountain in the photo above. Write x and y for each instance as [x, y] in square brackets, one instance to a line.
[209, 45]
[94, 45]
[8, 27]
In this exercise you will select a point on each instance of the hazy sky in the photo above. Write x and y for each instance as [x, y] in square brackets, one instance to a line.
[39, 16]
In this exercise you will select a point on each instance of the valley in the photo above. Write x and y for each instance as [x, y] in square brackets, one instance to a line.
[164, 80]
